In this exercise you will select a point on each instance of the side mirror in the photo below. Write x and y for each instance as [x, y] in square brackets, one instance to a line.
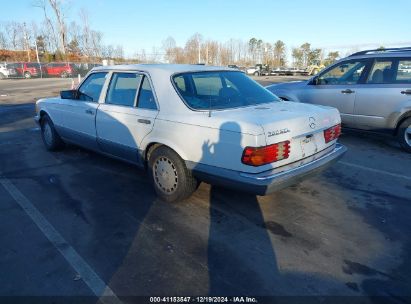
[68, 94]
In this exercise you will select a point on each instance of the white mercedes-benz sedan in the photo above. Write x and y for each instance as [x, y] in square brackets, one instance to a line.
[190, 123]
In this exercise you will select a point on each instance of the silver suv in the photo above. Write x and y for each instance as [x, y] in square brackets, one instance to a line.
[371, 89]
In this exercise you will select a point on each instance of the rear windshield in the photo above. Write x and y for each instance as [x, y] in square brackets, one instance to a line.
[220, 90]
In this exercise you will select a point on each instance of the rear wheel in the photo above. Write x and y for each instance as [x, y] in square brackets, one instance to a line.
[171, 179]
[404, 135]
[64, 74]
[51, 139]
[256, 74]
[2, 76]
[27, 75]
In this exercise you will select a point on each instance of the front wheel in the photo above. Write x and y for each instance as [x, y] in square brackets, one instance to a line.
[171, 179]
[27, 75]
[51, 139]
[256, 74]
[404, 135]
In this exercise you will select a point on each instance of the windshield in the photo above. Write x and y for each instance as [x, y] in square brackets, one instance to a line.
[220, 90]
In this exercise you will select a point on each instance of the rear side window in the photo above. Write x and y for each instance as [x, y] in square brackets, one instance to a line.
[381, 72]
[123, 89]
[91, 88]
[404, 71]
[146, 97]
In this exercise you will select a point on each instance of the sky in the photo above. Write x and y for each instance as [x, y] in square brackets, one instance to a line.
[136, 25]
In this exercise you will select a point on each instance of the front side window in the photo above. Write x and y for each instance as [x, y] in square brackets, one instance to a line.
[220, 90]
[91, 88]
[404, 71]
[123, 89]
[381, 72]
[146, 97]
[343, 73]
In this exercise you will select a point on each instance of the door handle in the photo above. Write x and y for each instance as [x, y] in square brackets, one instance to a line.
[348, 91]
[406, 92]
[88, 111]
[144, 121]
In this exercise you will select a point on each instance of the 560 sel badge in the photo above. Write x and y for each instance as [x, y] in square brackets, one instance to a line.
[278, 132]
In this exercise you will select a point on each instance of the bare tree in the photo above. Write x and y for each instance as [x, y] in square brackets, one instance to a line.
[49, 32]
[96, 42]
[169, 45]
[118, 52]
[58, 12]
[3, 38]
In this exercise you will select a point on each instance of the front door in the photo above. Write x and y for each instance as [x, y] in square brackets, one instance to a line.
[336, 87]
[79, 115]
[126, 116]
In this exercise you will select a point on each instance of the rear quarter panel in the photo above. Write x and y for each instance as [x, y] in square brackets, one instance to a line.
[205, 145]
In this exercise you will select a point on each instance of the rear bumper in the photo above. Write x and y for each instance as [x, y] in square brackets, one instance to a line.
[272, 180]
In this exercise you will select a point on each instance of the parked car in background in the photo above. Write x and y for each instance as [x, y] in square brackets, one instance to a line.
[59, 69]
[258, 70]
[26, 69]
[284, 71]
[234, 66]
[371, 89]
[7, 71]
[191, 123]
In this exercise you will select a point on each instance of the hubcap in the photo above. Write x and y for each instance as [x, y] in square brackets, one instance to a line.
[407, 135]
[165, 175]
[48, 135]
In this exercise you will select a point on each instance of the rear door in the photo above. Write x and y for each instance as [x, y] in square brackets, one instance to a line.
[336, 87]
[386, 88]
[126, 116]
[78, 115]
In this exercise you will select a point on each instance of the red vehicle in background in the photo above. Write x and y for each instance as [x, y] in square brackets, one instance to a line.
[26, 69]
[58, 69]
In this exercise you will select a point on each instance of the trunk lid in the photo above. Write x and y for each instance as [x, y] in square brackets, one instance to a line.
[301, 124]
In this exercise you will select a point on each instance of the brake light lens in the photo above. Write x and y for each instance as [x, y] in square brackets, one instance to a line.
[265, 155]
[332, 133]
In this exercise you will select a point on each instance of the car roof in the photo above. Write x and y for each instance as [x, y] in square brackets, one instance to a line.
[382, 53]
[163, 68]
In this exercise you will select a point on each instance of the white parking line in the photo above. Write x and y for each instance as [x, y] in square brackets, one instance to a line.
[88, 275]
[376, 170]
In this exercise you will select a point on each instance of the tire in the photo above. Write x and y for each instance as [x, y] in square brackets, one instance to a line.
[171, 179]
[404, 135]
[2, 76]
[27, 75]
[51, 139]
[64, 75]
[256, 74]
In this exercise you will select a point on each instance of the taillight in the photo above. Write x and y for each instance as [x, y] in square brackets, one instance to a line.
[332, 133]
[265, 155]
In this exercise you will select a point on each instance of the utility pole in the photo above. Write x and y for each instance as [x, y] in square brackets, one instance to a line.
[199, 53]
[38, 60]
